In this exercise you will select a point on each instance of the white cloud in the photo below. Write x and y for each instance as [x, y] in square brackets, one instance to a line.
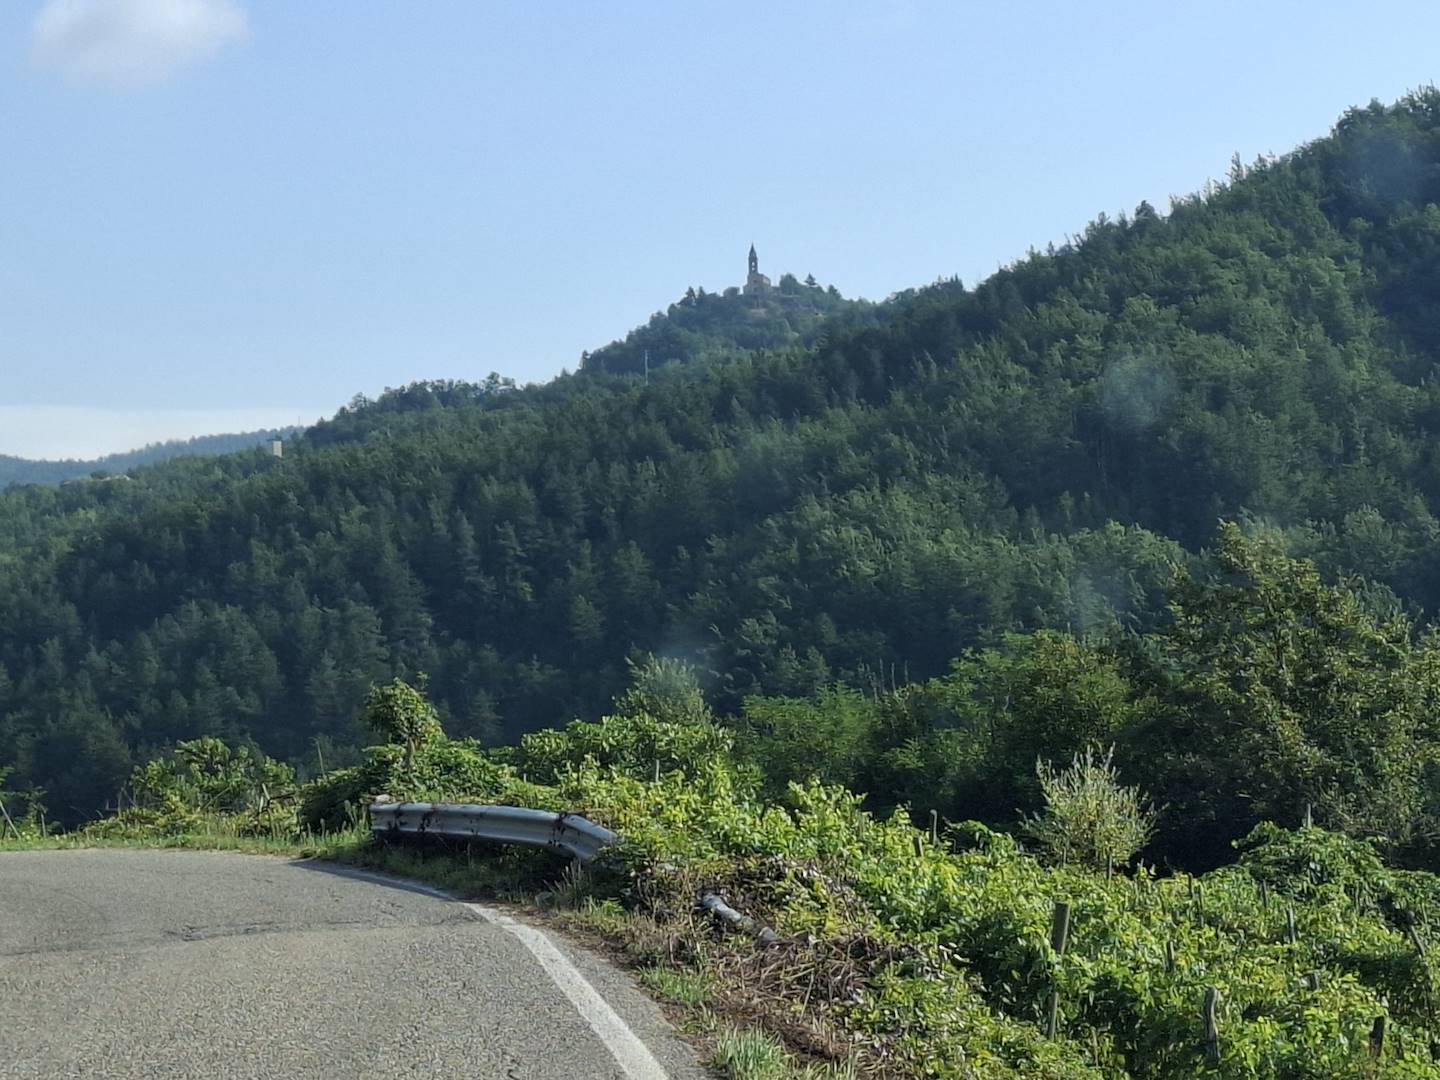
[131, 43]
[54, 432]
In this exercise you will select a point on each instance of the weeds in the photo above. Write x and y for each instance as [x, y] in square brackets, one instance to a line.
[750, 1055]
[692, 989]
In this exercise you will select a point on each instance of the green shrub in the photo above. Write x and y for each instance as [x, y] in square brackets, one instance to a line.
[439, 770]
[333, 802]
[629, 745]
[401, 714]
[1089, 819]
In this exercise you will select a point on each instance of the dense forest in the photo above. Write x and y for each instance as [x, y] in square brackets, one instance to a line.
[977, 494]
[16, 470]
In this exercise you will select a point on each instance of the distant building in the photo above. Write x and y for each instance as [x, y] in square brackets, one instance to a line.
[756, 283]
[95, 478]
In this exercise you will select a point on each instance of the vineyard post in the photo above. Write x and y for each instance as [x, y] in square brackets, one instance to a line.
[1212, 1023]
[1059, 937]
[1414, 936]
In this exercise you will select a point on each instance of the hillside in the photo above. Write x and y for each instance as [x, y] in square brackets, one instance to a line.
[1035, 452]
[719, 326]
[16, 470]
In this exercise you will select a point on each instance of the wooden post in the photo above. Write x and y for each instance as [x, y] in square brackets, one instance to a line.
[1169, 956]
[919, 846]
[1377, 1037]
[1291, 936]
[1060, 928]
[1212, 1023]
[8, 823]
[657, 770]
[1416, 943]
[935, 827]
[1059, 937]
[1309, 820]
[1264, 895]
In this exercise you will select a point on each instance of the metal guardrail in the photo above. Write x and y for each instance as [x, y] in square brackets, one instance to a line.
[570, 833]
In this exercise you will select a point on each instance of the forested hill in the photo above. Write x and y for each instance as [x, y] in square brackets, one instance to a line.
[17, 470]
[1035, 452]
[719, 326]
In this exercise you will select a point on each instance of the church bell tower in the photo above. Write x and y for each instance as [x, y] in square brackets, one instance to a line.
[756, 283]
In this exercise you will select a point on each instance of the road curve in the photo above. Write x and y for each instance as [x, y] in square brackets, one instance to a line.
[163, 964]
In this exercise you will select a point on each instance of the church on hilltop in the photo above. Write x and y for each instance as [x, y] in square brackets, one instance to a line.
[756, 283]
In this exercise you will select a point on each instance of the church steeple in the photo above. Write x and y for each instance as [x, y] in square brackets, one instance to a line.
[756, 283]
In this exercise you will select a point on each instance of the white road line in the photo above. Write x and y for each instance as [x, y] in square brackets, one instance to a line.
[633, 1056]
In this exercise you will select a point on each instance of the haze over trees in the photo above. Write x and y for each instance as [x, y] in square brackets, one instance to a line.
[981, 492]
[18, 470]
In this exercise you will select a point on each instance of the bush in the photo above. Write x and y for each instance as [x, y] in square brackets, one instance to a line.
[401, 714]
[206, 777]
[628, 745]
[1089, 819]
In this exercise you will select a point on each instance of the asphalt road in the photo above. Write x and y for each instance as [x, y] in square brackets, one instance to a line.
[121, 964]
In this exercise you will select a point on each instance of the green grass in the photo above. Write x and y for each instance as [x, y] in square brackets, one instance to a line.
[221, 836]
[692, 989]
[459, 873]
[750, 1055]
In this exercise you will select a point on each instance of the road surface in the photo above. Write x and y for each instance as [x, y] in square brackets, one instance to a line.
[162, 964]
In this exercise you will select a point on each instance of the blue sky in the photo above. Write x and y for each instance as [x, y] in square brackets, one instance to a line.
[219, 213]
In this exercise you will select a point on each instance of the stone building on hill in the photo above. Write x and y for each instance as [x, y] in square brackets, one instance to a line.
[756, 283]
